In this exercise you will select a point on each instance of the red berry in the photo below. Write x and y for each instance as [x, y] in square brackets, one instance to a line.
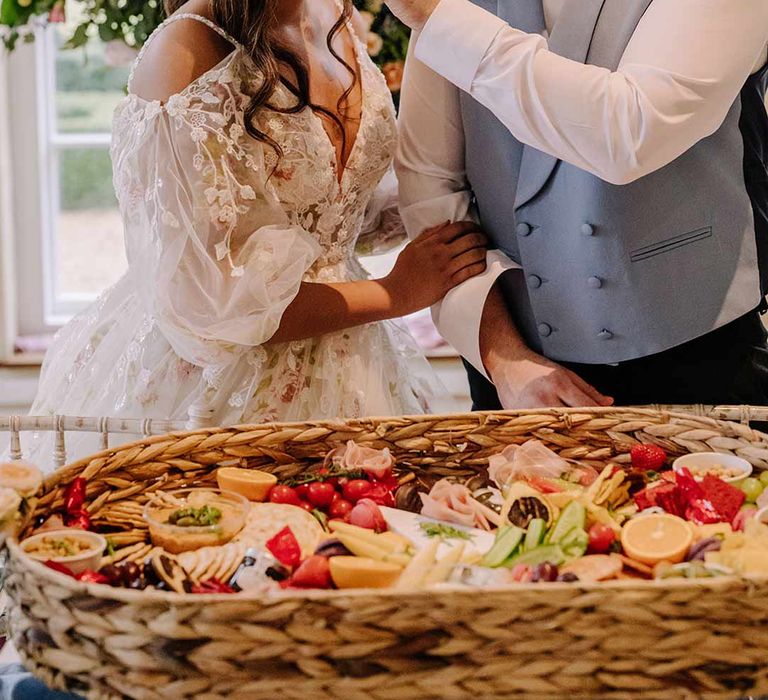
[340, 508]
[648, 457]
[321, 494]
[601, 538]
[356, 489]
[285, 495]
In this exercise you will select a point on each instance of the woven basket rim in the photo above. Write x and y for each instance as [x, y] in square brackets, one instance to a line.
[153, 596]
[357, 423]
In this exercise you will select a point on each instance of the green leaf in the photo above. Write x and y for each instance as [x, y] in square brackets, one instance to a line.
[79, 38]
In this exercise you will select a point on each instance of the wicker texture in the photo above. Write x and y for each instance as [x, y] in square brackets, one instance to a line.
[667, 639]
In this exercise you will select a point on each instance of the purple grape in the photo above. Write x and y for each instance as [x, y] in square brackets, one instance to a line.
[545, 573]
[568, 577]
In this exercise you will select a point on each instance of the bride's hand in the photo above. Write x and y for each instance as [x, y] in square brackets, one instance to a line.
[433, 264]
[414, 13]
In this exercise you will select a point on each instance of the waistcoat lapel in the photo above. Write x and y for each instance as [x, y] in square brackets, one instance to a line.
[571, 38]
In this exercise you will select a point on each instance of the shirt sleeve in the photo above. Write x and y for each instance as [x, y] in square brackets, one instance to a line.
[220, 263]
[434, 189]
[680, 75]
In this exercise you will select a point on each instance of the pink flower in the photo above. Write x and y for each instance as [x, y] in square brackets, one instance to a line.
[355, 458]
[57, 14]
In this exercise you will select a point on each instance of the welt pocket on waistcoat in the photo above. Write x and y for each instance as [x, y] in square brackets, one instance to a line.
[651, 251]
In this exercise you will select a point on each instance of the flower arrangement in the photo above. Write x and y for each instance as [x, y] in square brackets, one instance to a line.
[387, 40]
[132, 21]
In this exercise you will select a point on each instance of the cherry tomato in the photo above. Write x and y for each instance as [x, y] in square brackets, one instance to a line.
[381, 495]
[321, 494]
[306, 506]
[601, 538]
[302, 490]
[356, 489]
[389, 481]
[340, 508]
[285, 495]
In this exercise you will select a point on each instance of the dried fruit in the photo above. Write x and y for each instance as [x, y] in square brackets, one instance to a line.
[526, 509]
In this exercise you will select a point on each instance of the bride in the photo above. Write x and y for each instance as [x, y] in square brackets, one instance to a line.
[248, 161]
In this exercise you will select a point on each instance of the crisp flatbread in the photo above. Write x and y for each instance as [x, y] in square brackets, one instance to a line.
[263, 522]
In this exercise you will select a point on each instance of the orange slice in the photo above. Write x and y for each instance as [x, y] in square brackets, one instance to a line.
[653, 538]
[251, 483]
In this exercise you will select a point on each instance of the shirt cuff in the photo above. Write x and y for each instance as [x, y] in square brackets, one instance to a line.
[455, 40]
[459, 315]
[453, 207]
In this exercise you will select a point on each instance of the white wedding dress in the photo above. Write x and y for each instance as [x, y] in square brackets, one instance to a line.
[220, 234]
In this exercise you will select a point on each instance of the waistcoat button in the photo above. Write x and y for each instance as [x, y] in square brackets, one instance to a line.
[587, 230]
[534, 281]
[595, 282]
[605, 335]
[545, 329]
[524, 229]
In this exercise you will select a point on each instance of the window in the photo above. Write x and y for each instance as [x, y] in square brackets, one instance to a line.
[68, 233]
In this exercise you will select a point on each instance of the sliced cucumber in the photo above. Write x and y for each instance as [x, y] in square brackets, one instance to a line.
[535, 535]
[551, 553]
[575, 543]
[574, 515]
[508, 538]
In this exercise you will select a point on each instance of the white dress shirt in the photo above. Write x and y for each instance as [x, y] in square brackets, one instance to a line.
[680, 74]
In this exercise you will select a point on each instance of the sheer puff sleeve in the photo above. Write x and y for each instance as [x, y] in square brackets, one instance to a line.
[214, 256]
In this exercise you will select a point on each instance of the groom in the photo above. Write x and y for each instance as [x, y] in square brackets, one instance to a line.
[616, 153]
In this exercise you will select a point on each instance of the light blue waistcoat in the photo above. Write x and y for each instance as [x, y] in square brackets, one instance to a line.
[613, 273]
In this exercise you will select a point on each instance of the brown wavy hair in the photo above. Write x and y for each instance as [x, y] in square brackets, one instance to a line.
[254, 24]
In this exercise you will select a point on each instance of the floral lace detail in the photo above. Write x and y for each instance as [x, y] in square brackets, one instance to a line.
[190, 179]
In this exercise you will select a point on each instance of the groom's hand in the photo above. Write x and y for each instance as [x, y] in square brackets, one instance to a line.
[533, 381]
[414, 13]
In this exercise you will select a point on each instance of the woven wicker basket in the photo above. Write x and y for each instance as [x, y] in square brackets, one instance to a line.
[626, 639]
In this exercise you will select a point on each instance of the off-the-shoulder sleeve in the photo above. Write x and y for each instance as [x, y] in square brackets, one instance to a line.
[216, 258]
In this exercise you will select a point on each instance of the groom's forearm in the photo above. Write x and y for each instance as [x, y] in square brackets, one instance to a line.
[500, 340]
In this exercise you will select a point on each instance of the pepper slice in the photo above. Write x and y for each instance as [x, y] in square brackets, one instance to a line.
[90, 576]
[285, 548]
[74, 496]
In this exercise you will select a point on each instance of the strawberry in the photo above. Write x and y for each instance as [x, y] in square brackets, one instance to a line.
[648, 457]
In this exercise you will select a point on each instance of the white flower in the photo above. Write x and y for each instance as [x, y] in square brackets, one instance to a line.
[177, 105]
[197, 134]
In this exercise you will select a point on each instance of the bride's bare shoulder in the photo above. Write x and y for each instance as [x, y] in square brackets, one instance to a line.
[179, 54]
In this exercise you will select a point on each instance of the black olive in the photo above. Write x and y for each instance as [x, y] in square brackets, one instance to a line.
[333, 548]
[278, 573]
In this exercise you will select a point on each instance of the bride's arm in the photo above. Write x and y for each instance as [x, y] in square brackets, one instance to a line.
[425, 271]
